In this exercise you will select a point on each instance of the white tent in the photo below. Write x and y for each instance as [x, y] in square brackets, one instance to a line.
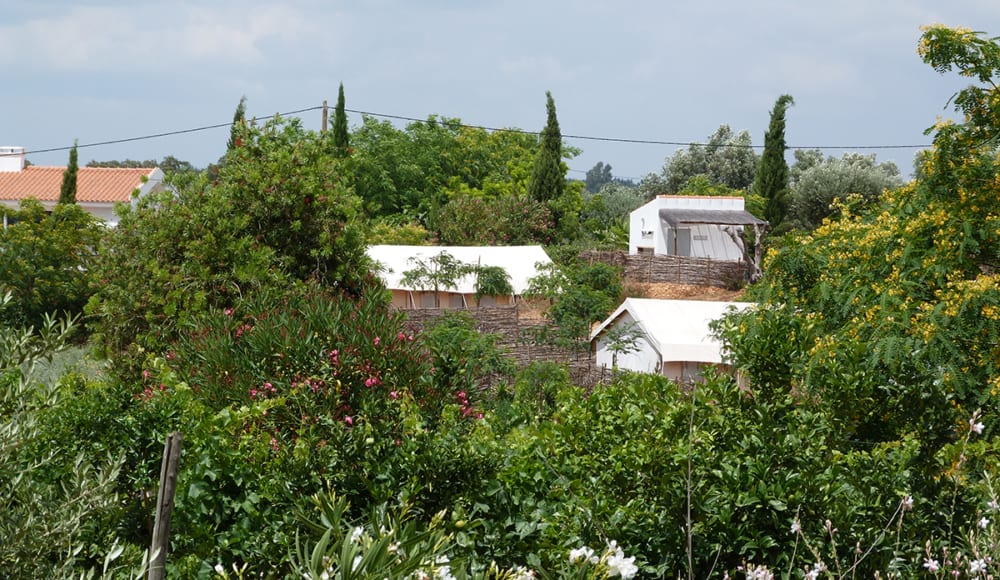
[672, 337]
[518, 261]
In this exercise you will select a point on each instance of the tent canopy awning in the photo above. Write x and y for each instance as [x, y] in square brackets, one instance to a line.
[727, 217]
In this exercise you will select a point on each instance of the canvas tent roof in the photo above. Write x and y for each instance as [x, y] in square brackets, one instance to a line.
[518, 261]
[677, 329]
[728, 217]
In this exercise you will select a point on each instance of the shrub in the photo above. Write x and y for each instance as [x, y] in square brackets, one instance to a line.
[44, 259]
[468, 220]
[277, 213]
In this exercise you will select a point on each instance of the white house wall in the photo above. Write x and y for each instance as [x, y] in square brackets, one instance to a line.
[647, 231]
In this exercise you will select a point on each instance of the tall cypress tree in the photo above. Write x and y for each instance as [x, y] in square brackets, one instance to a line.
[239, 122]
[771, 181]
[547, 178]
[67, 193]
[341, 139]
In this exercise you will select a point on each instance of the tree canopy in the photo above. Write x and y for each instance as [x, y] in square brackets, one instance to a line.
[726, 159]
[889, 312]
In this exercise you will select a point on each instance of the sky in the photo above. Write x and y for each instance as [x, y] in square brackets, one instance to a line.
[667, 71]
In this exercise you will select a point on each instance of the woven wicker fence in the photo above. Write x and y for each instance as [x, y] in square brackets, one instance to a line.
[676, 269]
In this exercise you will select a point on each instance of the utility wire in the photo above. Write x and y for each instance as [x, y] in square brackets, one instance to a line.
[641, 141]
[152, 136]
[483, 127]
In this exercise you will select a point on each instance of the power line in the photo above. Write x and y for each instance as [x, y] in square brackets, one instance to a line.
[469, 126]
[152, 136]
[640, 141]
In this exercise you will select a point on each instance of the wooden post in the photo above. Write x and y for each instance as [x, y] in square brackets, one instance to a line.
[164, 506]
[323, 129]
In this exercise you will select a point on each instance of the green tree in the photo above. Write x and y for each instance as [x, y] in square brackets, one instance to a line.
[415, 171]
[278, 212]
[341, 138]
[727, 159]
[492, 281]
[45, 258]
[598, 176]
[548, 176]
[239, 124]
[439, 272]
[771, 180]
[67, 193]
[813, 192]
[889, 311]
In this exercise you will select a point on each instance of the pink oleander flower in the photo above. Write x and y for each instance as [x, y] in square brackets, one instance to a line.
[932, 565]
[228, 311]
[976, 426]
[401, 336]
[348, 420]
[372, 382]
[377, 340]
[393, 395]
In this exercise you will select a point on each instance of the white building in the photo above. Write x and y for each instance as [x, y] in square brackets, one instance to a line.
[690, 225]
[520, 263]
[98, 189]
[671, 337]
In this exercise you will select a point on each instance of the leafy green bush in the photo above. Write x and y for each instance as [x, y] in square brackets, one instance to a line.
[507, 220]
[278, 212]
[44, 259]
[51, 504]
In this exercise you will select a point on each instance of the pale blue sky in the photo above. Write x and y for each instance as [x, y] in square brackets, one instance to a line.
[650, 70]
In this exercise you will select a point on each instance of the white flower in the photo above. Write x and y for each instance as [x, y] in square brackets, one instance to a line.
[522, 573]
[984, 523]
[977, 566]
[582, 554]
[356, 534]
[932, 565]
[817, 569]
[219, 569]
[356, 563]
[908, 503]
[619, 565]
[993, 505]
[976, 426]
[796, 526]
[759, 573]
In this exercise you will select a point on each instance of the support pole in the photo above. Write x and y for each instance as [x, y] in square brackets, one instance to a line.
[164, 506]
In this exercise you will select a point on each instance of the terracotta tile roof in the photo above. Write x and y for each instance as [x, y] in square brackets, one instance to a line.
[94, 184]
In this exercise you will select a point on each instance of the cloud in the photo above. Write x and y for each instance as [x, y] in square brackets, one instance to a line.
[89, 38]
[82, 37]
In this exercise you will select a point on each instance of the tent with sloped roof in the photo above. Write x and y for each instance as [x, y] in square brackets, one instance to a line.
[669, 337]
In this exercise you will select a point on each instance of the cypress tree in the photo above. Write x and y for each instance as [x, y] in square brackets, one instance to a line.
[341, 139]
[67, 193]
[239, 123]
[771, 181]
[547, 178]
